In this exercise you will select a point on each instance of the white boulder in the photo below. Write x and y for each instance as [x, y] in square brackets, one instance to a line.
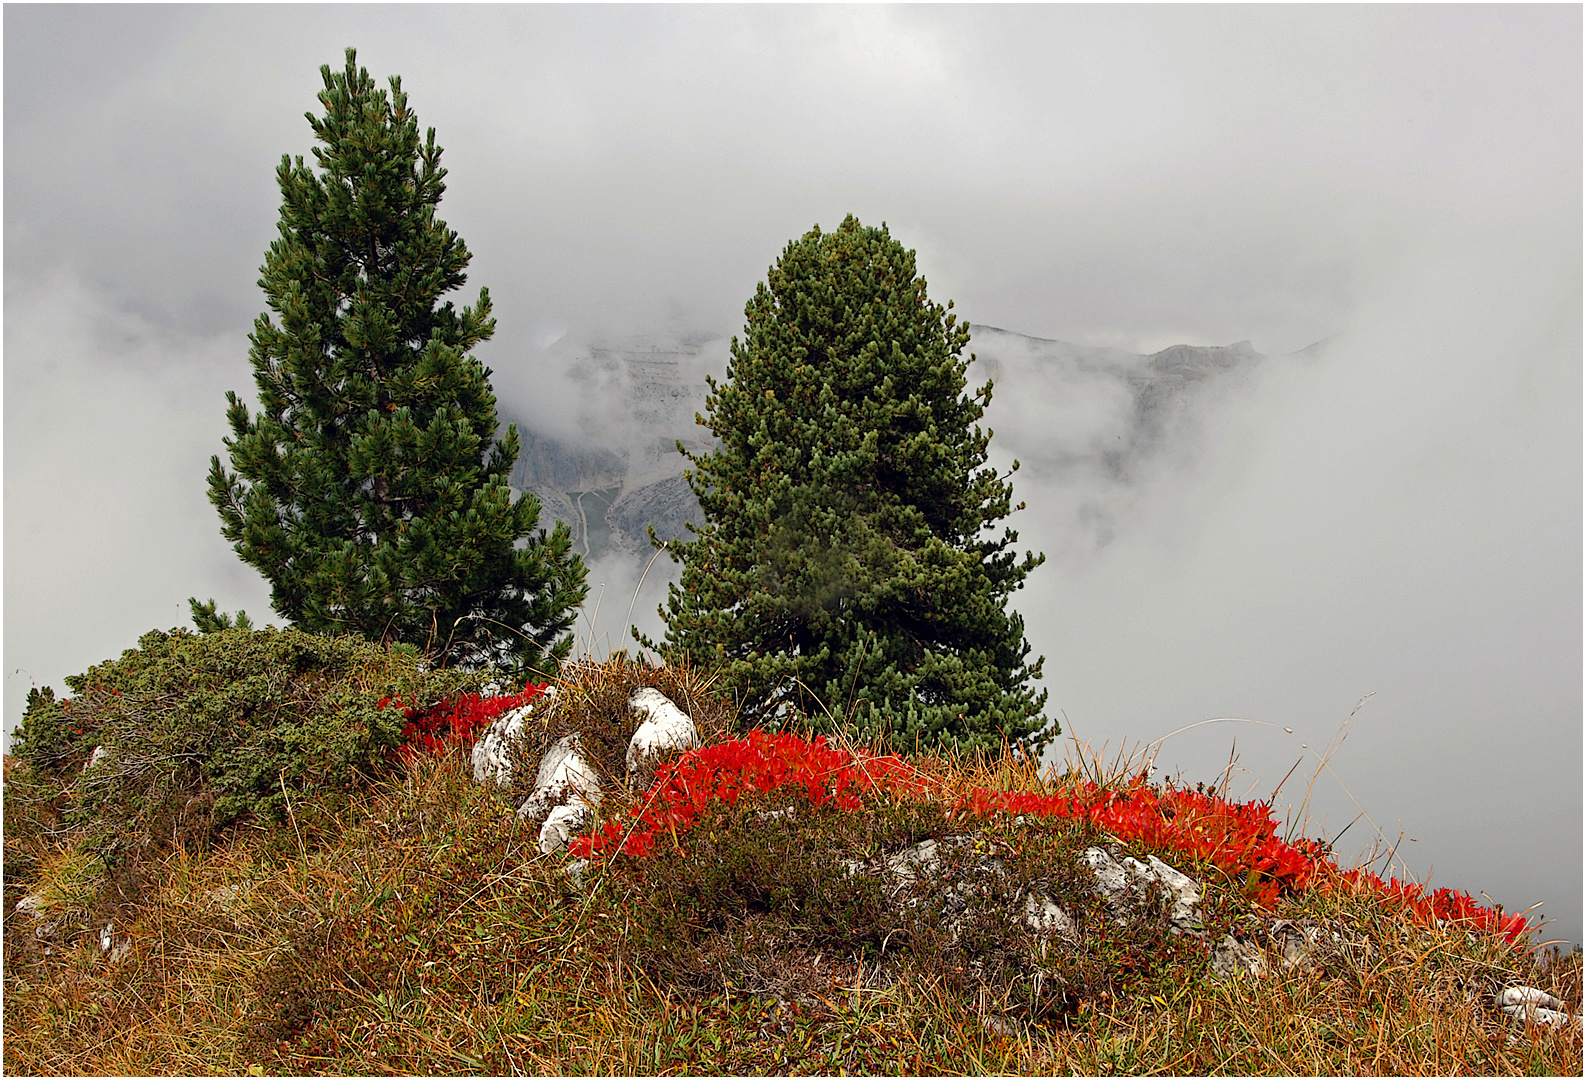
[567, 782]
[490, 757]
[664, 727]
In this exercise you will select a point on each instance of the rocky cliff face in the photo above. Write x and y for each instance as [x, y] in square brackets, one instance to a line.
[1062, 408]
[625, 475]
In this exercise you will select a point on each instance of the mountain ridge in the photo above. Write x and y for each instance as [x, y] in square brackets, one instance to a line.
[637, 397]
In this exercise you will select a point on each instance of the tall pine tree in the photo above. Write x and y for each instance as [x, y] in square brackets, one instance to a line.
[845, 568]
[370, 489]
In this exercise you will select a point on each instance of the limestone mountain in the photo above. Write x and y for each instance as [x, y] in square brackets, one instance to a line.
[1091, 417]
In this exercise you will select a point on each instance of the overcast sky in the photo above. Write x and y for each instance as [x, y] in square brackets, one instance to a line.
[1401, 515]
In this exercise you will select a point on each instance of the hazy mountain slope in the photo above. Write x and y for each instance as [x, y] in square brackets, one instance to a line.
[1090, 418]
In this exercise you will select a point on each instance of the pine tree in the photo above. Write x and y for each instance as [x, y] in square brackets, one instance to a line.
[370, 489]
[845, 569]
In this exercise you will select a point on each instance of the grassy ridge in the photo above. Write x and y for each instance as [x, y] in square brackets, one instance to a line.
[418, 930]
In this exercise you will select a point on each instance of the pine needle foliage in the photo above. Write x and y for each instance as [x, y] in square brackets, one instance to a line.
[847, 567]
[370, 488]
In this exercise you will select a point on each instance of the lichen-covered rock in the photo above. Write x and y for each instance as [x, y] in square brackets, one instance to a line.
[1047, 919]
[1117, 882]
[566, 781]
[491, 758]
[1234, 957]
[1296, 944]
[664, 727]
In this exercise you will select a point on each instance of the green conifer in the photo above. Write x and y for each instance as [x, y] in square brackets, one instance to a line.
[370, 489]
[846, 567]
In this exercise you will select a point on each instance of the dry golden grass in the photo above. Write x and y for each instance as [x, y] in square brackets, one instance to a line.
[425, 935]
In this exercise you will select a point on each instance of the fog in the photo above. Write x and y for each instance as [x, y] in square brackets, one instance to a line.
[1395, 514]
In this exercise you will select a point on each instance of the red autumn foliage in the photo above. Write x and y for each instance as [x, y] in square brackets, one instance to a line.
[456, 721]
[759, 761]
[1240, 839]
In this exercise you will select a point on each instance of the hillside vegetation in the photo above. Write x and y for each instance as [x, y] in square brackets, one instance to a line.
[377, 911]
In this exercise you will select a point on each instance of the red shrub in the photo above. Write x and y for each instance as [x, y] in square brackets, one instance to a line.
[456, 721]
[1241, 839]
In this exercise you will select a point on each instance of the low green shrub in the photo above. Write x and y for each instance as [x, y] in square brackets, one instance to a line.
[202, 730]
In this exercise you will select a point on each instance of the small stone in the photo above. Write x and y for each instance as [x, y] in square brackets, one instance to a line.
[1296, 944]
[1232, 957]
[561, 825]
[1046, 918]
[910, 864]
[1528, 1005]
[1527, 995]
[1535, 1014]
[224, 898]
[998, 1025]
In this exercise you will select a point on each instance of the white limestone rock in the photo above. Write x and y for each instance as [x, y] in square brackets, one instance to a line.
[1185, 915]
[916, 861]
[562, 824]
[1116, 882]
[565, 782]
[109, 944]
[1047, 919]
[665, 727]
[1527, 1004]
[99, 754]
[490, 756]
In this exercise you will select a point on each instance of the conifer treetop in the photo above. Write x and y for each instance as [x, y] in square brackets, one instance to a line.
[848, 567]
[370, 488]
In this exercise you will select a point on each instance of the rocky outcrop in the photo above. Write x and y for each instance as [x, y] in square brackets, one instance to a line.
[567, 786]
[970, 886]
[1121, 885]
